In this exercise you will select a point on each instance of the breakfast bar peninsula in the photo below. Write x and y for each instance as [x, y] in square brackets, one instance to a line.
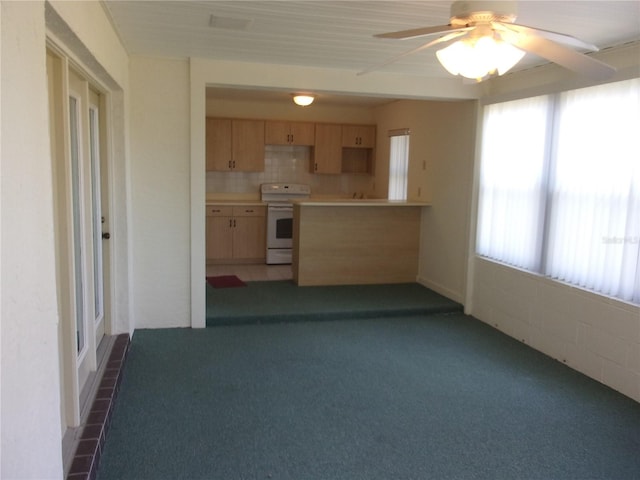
[348, 242]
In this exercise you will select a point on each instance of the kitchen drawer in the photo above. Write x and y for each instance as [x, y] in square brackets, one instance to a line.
[249, 211]
[219, 210]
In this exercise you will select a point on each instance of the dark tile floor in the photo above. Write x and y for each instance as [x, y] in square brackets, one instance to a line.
[87, 457]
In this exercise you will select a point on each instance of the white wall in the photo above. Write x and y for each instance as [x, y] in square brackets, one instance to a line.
[441, 155]
[319, 111]
[93, 30]
[30, 396]
[84, 33]
[595, 335]
[29, 379]
[160, 169]
[445, 226]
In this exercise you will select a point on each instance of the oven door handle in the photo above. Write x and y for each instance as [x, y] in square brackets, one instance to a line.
[281, 207]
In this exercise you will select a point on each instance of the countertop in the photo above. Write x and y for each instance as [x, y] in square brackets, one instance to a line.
[320, 202]
[368, 202]
[252, 203]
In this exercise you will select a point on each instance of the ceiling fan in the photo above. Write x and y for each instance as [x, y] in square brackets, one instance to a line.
[488, 41]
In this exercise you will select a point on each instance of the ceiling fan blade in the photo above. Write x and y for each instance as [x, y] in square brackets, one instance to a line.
[420, 32]
[562, 55]
[442, 39]
[554, 36]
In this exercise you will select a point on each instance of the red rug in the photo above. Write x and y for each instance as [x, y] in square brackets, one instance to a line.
[225, 281]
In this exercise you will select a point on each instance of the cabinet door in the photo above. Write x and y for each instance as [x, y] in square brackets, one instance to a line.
[249, 237]
[360, 136]
[289, 133]
[218, 144]
[276, 133]
[219, 238]
[327, 153]
[248, 145]
[302, 133]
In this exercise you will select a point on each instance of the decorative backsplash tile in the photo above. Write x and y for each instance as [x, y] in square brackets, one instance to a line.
[289, 164]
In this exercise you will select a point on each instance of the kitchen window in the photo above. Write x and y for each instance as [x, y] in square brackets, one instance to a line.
[398, 163]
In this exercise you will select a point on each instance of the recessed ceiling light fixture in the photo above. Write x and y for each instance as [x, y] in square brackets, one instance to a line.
[303, 99]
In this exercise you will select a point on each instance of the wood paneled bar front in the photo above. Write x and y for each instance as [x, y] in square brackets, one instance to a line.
[349, 242]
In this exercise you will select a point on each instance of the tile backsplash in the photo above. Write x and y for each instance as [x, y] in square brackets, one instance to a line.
[289, 164]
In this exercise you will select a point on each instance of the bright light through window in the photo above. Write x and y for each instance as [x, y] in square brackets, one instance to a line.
[398, 165]
[560, 187]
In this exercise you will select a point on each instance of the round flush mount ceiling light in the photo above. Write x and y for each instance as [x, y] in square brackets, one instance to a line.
[303, 99]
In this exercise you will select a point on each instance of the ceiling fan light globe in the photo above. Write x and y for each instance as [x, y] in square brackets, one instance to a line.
[477, 58]
[507, 56]
[452, 57]
[461, 58]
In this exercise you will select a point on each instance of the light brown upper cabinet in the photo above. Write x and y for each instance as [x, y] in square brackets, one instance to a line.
[289, 133]
[218, 144]
[234, 145]
[247, 145]
[327, 153]
[359, 136]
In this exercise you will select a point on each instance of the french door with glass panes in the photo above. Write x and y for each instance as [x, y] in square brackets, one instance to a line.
[77, 147]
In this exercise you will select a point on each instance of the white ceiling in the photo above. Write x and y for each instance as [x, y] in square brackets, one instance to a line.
[339, 34]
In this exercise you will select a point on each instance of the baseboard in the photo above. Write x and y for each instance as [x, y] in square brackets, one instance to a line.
[442, 290]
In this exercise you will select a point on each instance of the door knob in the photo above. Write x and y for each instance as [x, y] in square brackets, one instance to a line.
[106, 235]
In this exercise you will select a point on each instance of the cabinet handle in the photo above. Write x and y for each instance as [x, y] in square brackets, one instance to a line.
[229, 164]
[234, 223]
[248, 211]
[315, 166]
[234, 164]
[215, 210]
[230, 223]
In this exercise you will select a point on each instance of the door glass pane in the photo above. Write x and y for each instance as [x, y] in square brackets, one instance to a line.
[77, 233]
[96, 212]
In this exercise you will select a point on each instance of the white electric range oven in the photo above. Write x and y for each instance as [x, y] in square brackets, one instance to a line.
[278, 198]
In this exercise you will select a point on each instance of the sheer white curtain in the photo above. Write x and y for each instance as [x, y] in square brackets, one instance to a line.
[398, 164]
[511, 203]
[594, 223]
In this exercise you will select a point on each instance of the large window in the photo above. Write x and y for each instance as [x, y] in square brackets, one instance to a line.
[560, 187]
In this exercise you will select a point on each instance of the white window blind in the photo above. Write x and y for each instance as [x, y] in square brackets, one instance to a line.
[560, 187]
[594, 228]
[511, 183]
[398, 164]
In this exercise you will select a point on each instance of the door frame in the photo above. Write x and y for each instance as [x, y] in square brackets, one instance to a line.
[75, 367]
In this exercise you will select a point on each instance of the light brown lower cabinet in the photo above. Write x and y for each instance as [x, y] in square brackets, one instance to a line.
[235, 234]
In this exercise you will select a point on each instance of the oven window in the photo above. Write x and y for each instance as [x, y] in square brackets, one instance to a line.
[284, 228]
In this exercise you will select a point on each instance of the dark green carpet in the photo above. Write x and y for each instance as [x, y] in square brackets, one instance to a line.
[425, 397]
[283, 301]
